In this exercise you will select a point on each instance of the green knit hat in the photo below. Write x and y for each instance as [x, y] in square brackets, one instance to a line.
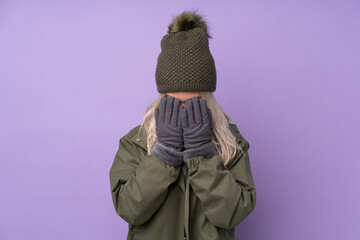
[185, 63]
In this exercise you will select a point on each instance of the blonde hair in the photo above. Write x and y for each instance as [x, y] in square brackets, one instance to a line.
[225, 142]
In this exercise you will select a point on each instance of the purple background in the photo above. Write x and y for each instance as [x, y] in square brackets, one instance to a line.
[78, 75]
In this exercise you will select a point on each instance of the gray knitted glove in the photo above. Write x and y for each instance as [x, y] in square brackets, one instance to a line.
[169, 132]
[168, 125]
[196, 121]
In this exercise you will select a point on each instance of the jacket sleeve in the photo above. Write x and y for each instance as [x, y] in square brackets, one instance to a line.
[227, 193]
[139, 186]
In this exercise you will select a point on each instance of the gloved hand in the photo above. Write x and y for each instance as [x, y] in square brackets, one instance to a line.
[168, 123]
[196, 123]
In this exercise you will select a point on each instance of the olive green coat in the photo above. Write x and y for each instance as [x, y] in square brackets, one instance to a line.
[200, 200]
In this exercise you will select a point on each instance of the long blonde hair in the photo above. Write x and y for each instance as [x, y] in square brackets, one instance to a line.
[225, 142]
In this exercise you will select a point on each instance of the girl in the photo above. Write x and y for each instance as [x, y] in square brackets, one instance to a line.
[184, 173]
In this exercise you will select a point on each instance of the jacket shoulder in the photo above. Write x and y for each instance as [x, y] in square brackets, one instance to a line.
[240, 139]
[137, 136]
[132, 133]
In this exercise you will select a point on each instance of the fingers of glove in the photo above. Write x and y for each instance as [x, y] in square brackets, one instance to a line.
[175, 114]
[210, 118]
[169, 108]
[157, 117]
[190, 112]
[184, 117]
[162, 109]
[197, 111]
[179, 121]
[204, 110]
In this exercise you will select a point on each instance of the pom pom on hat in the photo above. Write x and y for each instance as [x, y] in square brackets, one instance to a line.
[188, 20]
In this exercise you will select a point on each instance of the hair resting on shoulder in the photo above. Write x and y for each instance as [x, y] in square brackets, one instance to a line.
[225, 142]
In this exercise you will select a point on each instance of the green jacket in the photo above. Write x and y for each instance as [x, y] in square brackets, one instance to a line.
[200, 200]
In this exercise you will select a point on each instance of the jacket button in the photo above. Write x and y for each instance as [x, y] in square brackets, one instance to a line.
[137, 139]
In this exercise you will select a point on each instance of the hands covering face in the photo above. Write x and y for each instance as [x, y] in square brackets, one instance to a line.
[180, 127]
[196, 122]
[168, 127]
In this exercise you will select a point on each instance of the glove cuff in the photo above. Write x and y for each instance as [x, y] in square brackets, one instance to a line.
[207, 150]
[167, 154]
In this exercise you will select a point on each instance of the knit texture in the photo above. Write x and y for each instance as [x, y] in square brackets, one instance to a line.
[185, 63]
